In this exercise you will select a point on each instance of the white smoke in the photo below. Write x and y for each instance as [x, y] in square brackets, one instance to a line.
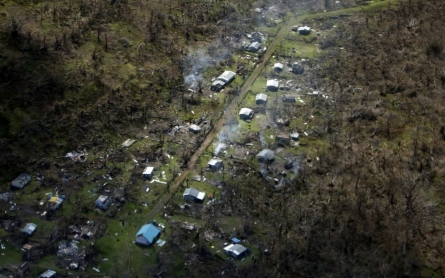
[197, 62]
[226, 136]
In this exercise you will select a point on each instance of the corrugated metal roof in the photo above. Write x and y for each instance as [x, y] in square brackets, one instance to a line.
[149, 232]
[236, 249]
[266, 154]
[272, 83]
[245, 111]
[261, 97]
[214, 161]
[148, 171]
[191, 192]
[227, 76]
[48, 274]
[29, 228]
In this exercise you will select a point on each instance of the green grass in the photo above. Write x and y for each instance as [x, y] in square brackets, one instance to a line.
[11, 254]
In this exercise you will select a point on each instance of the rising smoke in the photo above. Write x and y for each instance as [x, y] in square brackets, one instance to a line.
[197, 62]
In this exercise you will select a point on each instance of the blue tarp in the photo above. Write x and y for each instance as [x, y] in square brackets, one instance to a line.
[235, 240]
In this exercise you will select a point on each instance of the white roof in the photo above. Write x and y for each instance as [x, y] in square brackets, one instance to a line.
[314, 93]
[127, 143]
[102, 198]
[227, 76]
[218, 82]
[201, 196]
[304, 28]
[48, 273]
[195, 193]
[261, 97]
[195, 127]
[214, 161]
[29, 228]
[245, 111]
[272, 83]
[148, 171]
[256, 45]
[278, 66]
[237, 249]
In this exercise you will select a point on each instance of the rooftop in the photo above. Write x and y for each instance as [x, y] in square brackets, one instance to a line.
[218, 82]
[266, 154]
[22, 180]
[195, 193]
[29, 228]
[245, 111]
[102, 198]
[261, 97]
[278, 66]
[304, 28]
[148, 171]
[272, 83]
[149, 232]
[47, 274]
[195, 127]
[127, 143]
[215, 161]
[237, 249]
[54, 202]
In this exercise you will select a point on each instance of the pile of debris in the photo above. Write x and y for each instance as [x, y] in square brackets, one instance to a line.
[77, 157]
[187, 226]
[6, 196]
[68, 249]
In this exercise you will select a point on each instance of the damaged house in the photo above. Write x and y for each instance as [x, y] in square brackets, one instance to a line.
[194, 128]
[297, 68]
[103, 202]
[254, 47]
[266, 155]
[282, 139]
[278, 67]
[48, 274]
[21, 181]
[29, 229]
[215, 164]
[290, 98]
[217, 85]
[54, 203]
[257, 37]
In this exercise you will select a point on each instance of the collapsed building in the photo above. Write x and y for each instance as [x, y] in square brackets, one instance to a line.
[21, 181]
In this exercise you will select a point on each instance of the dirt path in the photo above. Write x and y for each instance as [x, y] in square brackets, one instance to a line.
[244, 89]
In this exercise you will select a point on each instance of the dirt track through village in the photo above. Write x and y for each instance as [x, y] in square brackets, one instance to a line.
[229, 110]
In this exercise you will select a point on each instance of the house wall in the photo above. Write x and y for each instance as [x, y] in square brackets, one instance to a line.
[272, 88]
[189, 198]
